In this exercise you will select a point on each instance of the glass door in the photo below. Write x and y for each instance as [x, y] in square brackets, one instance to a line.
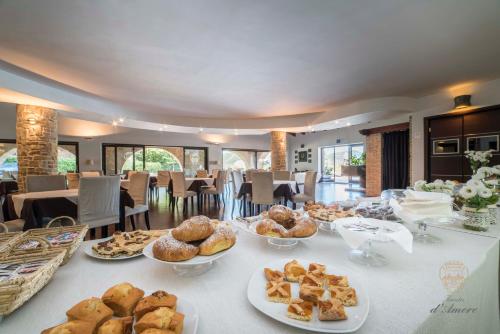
[335, 162]
[118, 158]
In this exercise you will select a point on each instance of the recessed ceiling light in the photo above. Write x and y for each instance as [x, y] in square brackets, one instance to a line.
[336, 122]
[121, 119]
[115, 123]
[348, 124]
[201, 129]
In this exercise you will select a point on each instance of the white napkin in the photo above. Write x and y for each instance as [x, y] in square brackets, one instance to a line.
[412, 195]
[418, 205]
[400, 234]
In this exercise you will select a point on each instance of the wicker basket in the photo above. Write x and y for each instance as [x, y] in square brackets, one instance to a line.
[71, 247]
[16, 291]
[8, 238]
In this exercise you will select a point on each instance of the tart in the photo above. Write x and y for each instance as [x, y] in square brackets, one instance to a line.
[334, 280]
[300, 309]
[310, 279]
[346, 295]
[311, 293]
[273, 275]
[293, 271]
[331, 310]
[278, 292]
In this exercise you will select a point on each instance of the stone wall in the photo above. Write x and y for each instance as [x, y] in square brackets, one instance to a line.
[278, 150]
[373, 164]
[36, 136]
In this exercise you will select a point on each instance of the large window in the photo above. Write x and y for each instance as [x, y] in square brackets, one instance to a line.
[333, 158]
[245, 159]
[67, 157]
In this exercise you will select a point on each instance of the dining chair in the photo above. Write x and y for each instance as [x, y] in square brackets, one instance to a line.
[73, 180]
[138, 190]
[236, 183]
[99, 202]
[91, 173]
[163, 180]
[202, 173]
[179, 190]
[215, 172]
[282, 175]
[309, 190]
[249, 174]
[36, 183]
[216, 190]
[16, 225]
[262, 190]
[130, 173]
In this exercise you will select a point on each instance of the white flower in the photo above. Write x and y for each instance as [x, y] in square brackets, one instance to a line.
[450, 183]
[438, 182]
[485, 193]
[475, 183]
[478, 176]
[468, 192]
[491, 182]
[419, 185]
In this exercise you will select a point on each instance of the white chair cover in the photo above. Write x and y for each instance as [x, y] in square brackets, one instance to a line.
[36, 183]
[99, 201]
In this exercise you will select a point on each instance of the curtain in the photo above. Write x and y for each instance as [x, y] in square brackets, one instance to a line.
[395, 157]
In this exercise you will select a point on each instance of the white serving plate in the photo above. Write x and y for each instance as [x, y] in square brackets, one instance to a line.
[356, 315]
[195, 261]
[87, 248]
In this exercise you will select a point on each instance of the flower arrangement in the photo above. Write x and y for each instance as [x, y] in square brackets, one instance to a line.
[477, 195]
[438, 186]
[478, 159]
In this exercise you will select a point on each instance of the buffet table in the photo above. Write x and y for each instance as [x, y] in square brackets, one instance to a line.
[401, 294]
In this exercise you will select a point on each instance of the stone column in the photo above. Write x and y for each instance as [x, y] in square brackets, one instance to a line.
[278, 150]
[373, 164]
[36, 137]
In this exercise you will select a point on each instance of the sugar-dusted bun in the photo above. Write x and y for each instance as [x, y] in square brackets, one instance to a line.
[194, 229]
[270, 228]
[280, 214]
[304, 227]
[173, 250]
[223, 238]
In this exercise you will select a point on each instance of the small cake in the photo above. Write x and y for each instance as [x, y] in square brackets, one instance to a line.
[300, 309]
[331, 310]
[159, 319]
[177, 323]
[92, 310]
[346, 295]
[334, 280]
[122, 299]
[273, 275]
[310, 279]
[279, 292]
[223, 238]
[71, 327]
[155, 300]
[311, 293]
[117, 326]
[293, 270]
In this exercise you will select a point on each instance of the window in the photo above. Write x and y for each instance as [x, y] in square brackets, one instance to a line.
[334, 159]
[67, 157]
[245, 159]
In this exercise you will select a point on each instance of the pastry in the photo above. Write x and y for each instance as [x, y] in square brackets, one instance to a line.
[91, 310]
[194, 229]
[223, 238]
[71, 327]
[270, 228]
[346, 295]
[311, 293]
[157, 331]
[310, 279]
[317, 270]
[273, 275]
[334, 280]
[117, 326]
[126, 243]
[300, 309]
[293, 270]
[162, 318]
[304, 227]
[122, 298]
[278, 292]
[155, 300]
[310, 205]
[173, 250]
[282, 215]
[331, 310]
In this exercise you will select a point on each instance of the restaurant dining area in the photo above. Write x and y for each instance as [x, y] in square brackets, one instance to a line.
[236, 166]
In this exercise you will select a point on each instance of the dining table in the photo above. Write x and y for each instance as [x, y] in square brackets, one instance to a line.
[410, 294]
[283, 189]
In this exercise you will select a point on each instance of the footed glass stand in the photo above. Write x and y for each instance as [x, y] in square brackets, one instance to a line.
[327, 227]
[422, 236]
[193, 270]
[282, 243]
[367, 257]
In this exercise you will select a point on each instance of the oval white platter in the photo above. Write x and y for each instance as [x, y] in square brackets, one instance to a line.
[87, 248]
[195, 261]
[356, 315]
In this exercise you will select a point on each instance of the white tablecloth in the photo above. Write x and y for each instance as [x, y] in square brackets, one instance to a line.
[401, 294]
[208, 180]
[18, 200]
[277, 183]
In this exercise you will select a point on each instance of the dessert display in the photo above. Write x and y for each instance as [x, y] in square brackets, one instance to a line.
[281, 222]
[126, 243]
[317, 290]
[121, 308]
[196, 236]
[330, 213]
[377, 211]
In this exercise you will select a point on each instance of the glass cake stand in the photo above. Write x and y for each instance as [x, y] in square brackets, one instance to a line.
[366, 256]
[423, 236]
[283, 243]
[193, 270]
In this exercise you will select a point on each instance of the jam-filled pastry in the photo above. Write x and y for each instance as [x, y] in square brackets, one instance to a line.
[334, 280]
[273, 275]
[310, 279]
[346, 295]
[279, 292]
[318, 270]
[331, 310]
[293, 271]
[311, 293]
[300, 309]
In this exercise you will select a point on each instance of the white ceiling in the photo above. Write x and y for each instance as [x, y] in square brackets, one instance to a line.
[244, 59]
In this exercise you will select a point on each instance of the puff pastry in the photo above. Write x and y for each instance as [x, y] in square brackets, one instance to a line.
[270, 228]
[303, 228]
[194, 229]
[223, 238]
[173, 250]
